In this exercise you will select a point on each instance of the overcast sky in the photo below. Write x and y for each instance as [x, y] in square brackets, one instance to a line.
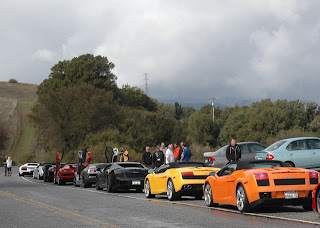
[201, 49]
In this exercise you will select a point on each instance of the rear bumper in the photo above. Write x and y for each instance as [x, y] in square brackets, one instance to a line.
[67, 178]
[282, 201]
[191, 189]
[127, 184]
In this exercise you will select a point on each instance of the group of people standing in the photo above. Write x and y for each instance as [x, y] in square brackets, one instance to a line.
[7, 163]
[165, 155]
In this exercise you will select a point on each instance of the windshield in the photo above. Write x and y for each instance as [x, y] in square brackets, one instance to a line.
[265, 165]
[275, 146]
[221, 150]
[124, 165]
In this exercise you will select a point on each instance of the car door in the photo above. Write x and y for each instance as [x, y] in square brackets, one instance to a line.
[102, 177]
[159, 179]
[314, 147]
[299, 153]
[222, 184]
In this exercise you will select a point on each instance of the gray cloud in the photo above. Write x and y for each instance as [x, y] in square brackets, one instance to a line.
[245, 49]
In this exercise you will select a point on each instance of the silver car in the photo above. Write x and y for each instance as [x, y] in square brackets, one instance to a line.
[218, 158]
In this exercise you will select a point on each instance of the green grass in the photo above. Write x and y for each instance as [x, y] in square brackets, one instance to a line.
[23, 146]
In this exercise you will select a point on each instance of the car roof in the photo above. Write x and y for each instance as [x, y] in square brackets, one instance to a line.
[298, 138]
[246, 164]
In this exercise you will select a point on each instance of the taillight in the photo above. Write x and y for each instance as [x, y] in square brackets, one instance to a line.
[313, 174]
[24, 167]
[269, 156]
[92, 171]
[212, 159]
[262, 179]
[261, 176]
[185, 174]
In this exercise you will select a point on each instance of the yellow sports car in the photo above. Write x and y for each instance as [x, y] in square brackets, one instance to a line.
[177, 179]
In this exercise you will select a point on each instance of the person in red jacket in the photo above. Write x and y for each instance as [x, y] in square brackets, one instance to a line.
[176, 153]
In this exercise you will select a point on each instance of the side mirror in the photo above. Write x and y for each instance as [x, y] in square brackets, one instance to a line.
[212, 174]
[150, 171]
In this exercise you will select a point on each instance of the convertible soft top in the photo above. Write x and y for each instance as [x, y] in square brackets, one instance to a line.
[250, 164]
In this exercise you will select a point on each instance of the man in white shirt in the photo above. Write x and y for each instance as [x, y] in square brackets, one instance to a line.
[169, 154]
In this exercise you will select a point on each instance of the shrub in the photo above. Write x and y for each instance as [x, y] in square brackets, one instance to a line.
[12, 80]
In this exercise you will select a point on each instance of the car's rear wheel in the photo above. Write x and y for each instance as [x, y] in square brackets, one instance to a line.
[208, 196]
[20, 174]
[85, 184]
[147, 189]
[242, 199]
[171, 192]
[290, 164]
[307, 207]
[109, 187]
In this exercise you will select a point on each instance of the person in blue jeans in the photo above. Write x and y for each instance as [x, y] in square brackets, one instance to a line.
[185, 156]
[5, 165]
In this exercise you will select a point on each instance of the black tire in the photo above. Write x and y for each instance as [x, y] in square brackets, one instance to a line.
[171, 192]
[318, 200]
[147, 190]
[208, 196]
[45, 179]
[242, 199]
[60, 181]
[290, 164]
[98, 186]
[20, 175]
[109, 186]
[75, 181]
[85, 184]
[308, 207]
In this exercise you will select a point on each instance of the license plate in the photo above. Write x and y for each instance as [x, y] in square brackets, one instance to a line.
[291, 195]
[259, 158]
[136, 183]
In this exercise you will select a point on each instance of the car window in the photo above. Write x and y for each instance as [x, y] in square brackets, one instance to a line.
[228, 170]
[313, 143]
[275, 145]
[221, 150]
[162, 169]
[244, 149]
[297, 145]
[256, 147]
[107, 168]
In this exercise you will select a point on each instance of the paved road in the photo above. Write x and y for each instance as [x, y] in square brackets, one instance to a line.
[25, 202]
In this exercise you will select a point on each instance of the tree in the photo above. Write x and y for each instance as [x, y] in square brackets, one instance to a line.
[178, 111]
[83, 70]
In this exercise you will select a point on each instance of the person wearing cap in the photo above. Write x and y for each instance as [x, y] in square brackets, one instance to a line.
[158, 157]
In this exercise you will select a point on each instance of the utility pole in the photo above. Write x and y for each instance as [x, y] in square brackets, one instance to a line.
[212, 99]
[146, 83]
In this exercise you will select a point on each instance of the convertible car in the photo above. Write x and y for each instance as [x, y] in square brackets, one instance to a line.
[316, 198]
[177, 179]
[122, 175]
[247, 184]
[65, 174]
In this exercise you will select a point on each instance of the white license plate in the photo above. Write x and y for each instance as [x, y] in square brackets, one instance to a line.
[136, 183]
[259, 158]
[291, 195]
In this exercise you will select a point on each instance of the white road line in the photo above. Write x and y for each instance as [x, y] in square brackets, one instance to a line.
[183, 204]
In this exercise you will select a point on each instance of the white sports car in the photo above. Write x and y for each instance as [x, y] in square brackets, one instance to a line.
[27, 168]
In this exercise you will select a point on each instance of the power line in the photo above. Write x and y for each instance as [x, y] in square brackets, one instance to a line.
[146, 83]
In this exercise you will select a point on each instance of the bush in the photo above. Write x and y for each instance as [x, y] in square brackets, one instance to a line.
[12, 80]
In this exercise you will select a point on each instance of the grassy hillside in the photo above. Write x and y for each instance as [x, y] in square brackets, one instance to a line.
[18, 91]
[16, 99]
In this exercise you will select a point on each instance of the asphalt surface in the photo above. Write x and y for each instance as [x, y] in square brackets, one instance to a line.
[26, 202]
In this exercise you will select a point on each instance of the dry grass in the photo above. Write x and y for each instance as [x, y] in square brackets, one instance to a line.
[18, 91]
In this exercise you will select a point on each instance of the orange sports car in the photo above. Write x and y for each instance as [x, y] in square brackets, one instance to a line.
[247, 184]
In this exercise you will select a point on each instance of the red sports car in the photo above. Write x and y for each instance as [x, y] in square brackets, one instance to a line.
[316, 198]
[65, 174]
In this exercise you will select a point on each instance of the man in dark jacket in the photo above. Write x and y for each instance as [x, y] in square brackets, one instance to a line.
[233, 151]
[158, 157]
[147, 157]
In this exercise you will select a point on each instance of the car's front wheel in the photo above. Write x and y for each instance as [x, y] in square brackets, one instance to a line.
[60, 181]
[242, 199]
[208, 196]
[147, 189]
[109, 187]
[98, 186]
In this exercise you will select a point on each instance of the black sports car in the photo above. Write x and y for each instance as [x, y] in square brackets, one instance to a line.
[88, 175]
[122, 175]
[48, 174]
